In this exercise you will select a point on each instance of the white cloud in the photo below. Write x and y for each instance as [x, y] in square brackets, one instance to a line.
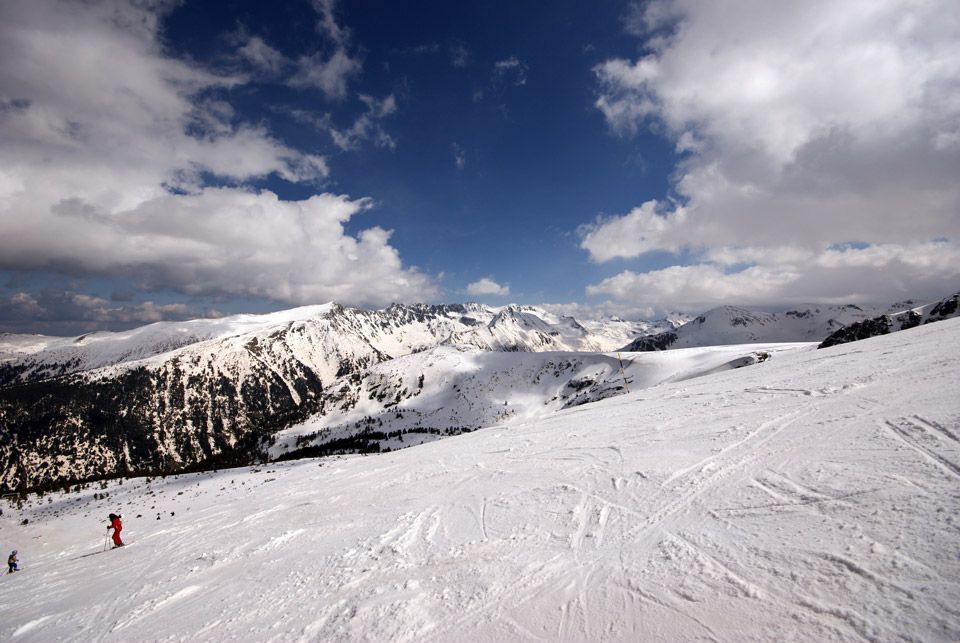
[94, 111]
[459, 156]
[224, 240]
[68, 312]
[328, 23]
[330, 75]
[511, 71]
[262, 56]
[701, 285]
[875, 274]
[487, 286]
[807, 124]
[97, 126]
[367, 127]
[460, 56]
[641, 230]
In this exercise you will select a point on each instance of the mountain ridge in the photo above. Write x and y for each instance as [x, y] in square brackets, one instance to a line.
[103, 405]
[739, 325]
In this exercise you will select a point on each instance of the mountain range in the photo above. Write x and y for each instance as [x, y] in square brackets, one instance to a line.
[735, 325]
[903, 319]
[177, 396]
[809, 497]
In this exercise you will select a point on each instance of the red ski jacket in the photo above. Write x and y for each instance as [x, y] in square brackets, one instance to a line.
[117, 527]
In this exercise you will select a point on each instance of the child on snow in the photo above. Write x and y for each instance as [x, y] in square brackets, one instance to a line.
[12, 562]
[117, 527]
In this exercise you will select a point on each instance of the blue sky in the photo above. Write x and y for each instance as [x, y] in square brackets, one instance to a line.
[167, 160]
[536, 158]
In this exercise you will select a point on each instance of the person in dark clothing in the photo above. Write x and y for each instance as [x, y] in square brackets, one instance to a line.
[117, 527]
[12, 562]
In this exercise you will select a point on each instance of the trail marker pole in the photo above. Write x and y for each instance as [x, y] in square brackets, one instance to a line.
[623, 373]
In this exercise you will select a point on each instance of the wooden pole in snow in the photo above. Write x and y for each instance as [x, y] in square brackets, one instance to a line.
[623, 373]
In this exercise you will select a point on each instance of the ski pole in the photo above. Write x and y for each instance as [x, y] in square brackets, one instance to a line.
[106, 539]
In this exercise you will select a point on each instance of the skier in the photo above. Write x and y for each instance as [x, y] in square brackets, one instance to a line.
[117, 527]
[12, 562]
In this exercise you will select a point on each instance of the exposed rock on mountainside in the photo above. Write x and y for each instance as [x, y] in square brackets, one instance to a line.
[732, 325]
[172, 396]
[448, 390]
[943, 309]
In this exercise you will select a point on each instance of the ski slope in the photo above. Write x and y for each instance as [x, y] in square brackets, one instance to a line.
[813, 497]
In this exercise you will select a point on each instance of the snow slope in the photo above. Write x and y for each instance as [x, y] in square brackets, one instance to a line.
[946, 308]
[453, 388]
[813, 497]
[54, 355]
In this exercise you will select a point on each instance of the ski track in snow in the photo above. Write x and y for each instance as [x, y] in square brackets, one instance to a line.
[810, 498]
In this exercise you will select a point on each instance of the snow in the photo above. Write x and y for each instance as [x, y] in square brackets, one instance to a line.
[95, 350]
[465, 387]
[811, 497]
[734, 325]
[322, 336]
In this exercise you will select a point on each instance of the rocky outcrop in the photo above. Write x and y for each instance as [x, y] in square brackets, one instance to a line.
[884, 324]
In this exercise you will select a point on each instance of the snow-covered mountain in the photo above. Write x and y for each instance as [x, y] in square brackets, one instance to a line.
[26, 358]
[171, 396]
[901, 319]
[451, 389]
[733, 325]
[394, 331]
[809, 498]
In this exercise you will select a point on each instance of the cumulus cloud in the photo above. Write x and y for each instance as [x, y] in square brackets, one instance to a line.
[652, 226]
[227, 240]
[800, 123]
[793, 275]
[487, 286]
[105, 144]
[97, 112]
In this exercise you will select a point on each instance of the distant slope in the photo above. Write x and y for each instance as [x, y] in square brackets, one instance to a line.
[529, 329]
[448, 390]
[810, 498]
[946, 308]
[733, 325]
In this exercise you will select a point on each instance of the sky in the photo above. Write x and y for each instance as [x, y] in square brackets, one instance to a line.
[164, 160]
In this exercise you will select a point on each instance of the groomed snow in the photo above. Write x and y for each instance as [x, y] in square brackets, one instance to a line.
[813, 497]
